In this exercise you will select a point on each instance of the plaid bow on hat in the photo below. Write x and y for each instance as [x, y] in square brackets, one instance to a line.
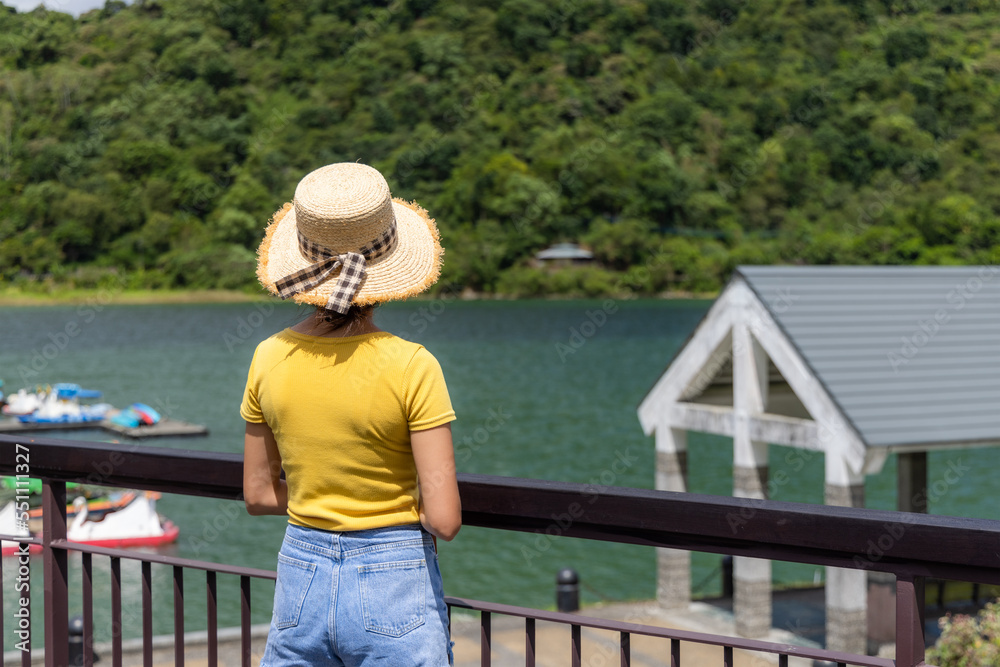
[351, 265]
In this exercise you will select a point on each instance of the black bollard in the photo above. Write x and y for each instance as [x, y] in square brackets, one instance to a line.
[76, 640]
[567, 590]
[75, 632]
[727, 576]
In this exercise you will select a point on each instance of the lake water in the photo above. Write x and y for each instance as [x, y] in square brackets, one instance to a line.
[564, 378]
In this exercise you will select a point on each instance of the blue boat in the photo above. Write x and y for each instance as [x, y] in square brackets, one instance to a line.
[61, 405]
[135, 415]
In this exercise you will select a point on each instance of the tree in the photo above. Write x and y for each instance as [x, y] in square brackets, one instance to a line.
[910, 43]
[619, 244]
[155, 136]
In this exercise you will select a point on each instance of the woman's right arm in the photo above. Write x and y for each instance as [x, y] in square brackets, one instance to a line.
[264, 492]
[440, 505]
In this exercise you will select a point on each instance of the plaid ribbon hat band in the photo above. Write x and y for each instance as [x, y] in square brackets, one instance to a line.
[326, 263]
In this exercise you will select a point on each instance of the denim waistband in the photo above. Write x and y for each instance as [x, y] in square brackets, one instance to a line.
[346, 543]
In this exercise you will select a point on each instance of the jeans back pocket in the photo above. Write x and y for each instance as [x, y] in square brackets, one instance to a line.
[294, 578]
[392, 596]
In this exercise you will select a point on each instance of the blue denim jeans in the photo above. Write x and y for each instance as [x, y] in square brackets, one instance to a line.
[358, 598]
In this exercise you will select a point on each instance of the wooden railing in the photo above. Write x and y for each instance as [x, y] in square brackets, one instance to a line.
[922, 546]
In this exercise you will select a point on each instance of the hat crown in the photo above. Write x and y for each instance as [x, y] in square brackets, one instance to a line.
[343, 207]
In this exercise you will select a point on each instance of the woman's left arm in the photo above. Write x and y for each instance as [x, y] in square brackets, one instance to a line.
[264, 492]
[440, 504]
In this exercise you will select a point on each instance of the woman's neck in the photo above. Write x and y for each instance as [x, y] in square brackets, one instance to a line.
[314, 326]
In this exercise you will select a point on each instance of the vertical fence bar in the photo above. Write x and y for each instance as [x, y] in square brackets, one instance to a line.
[575, 641]
[727, 656]
[147, 614]
[782, 660]
[626, 649]
[909, 620]
[117, 627]
[178, 616]
[87, 562]
[485, 632]
[213, 620]
[675, 653]
[56, 564]
[529, 642]
[245, 619]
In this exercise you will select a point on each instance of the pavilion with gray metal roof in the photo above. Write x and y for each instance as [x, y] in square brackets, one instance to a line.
[565, 251]
[853, 362]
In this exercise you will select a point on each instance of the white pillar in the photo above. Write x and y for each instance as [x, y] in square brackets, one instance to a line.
[846, 589]
[751, 576]
[673, 575]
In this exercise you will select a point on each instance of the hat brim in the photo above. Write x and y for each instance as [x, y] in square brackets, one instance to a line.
[411, 267]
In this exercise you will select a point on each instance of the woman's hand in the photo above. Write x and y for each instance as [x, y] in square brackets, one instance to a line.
[440, 505]
[264, 492]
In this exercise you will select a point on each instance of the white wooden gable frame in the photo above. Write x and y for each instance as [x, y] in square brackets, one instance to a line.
[739, 325]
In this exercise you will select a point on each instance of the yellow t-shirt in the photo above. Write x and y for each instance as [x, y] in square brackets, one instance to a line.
[341, 410]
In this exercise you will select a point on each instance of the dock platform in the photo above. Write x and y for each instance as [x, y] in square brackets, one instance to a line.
[165, 428]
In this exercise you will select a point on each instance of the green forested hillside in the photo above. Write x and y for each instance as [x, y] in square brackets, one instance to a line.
[147, 145]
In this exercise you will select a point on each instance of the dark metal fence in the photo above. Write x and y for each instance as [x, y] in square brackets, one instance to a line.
[921, 546]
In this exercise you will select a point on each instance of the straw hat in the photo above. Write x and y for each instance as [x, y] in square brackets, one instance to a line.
[345, 240]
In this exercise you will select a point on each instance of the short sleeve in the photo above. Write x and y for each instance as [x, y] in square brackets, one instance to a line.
[250, 408]
[425, 393]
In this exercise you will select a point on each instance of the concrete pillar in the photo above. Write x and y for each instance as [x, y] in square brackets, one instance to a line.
[846, 589]
[911, 482]
[911, 496]
[751, 576]
[881, 609]
[673, 574]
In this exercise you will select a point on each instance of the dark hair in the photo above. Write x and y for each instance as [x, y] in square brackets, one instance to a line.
[347, 321]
